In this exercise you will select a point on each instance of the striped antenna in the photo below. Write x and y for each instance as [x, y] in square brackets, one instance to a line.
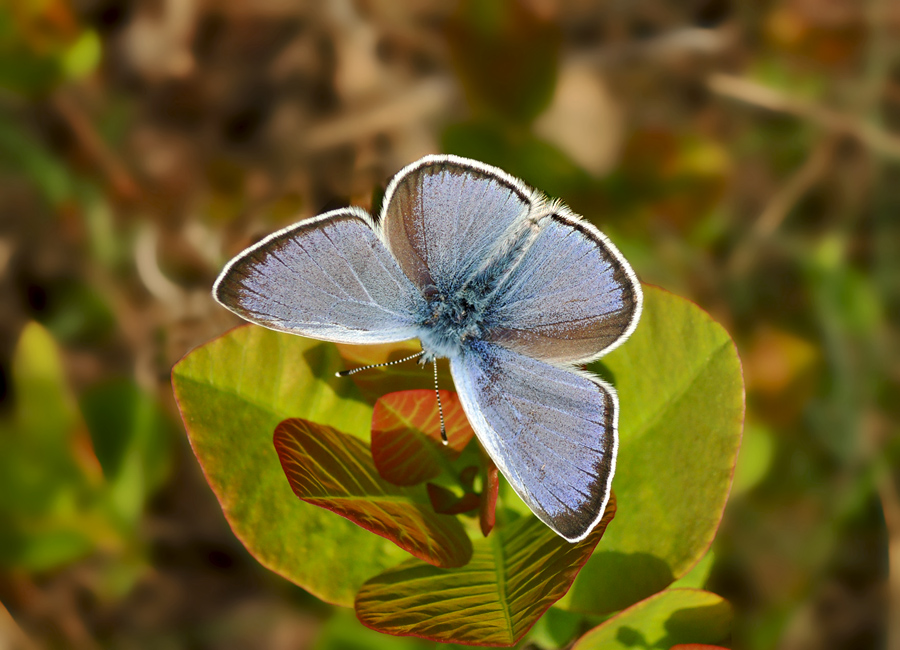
[347, 373]
[440, 407]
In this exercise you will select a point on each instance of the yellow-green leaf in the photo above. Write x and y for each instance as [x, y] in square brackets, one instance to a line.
[232, 393]
[682, 404]
[670, 617]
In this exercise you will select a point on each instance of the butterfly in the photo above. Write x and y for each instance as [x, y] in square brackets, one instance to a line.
[515, 290]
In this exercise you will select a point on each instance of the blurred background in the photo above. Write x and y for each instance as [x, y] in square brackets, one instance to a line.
[744, 154]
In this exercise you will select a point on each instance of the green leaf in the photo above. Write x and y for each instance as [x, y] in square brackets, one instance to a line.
[513, 577]
[406, 435]
[696, 578]
[82, 56]
[661, 621]
[232, 393]
[132, 440]
[557, 628]
[51, 488]
[682, 404]
[335, 471]
[41, 45]
[757, 451]
[44, 406]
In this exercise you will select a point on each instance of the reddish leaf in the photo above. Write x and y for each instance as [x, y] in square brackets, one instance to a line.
[510, 582]
[447, 503]
[406, 435]
[335, 471]
[467, 476]
[403, 376]
[488, 513]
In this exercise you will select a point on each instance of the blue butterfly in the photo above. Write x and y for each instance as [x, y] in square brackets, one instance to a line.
[515, 290]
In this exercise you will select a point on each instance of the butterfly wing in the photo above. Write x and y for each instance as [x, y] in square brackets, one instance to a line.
[328, 278]
[565, 294]
[550, 431]
[444, 217]
[571, 297]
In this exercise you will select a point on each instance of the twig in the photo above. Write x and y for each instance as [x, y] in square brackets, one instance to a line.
[426, 99]
[890, 506]
[97, 150]
[780, 205]
[12, 637]
[744, 90]
[688, 40]
[156, 282]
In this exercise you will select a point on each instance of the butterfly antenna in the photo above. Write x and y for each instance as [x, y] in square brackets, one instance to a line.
[347, 373]
[440, 407]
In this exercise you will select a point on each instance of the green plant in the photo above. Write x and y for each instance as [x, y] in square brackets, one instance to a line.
[74, 475]
[681, 391]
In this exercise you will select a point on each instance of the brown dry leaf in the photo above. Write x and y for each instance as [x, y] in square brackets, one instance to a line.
[584, 119]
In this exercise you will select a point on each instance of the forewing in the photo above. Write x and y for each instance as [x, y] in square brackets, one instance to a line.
[551, 432]
[444, 217]
[571, 296]
[328, 278]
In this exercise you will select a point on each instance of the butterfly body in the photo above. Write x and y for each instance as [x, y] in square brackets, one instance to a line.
[449, 322]
[515, 291]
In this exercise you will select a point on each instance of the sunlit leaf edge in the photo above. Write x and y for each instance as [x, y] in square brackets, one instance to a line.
[255, 554]
[206, 476]
[742, 419]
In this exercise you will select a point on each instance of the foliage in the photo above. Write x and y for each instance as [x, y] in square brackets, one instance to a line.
[73, 480]
[741, 155]
[334, 470]
[671, 617]
[513, 577]
[681, 393]
[41, 45]
[233, 392]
